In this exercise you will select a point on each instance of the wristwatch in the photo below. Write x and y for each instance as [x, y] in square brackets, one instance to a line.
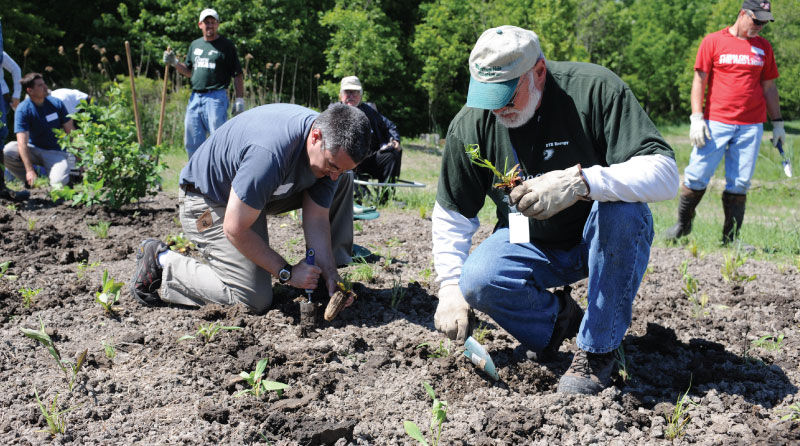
[285, 273]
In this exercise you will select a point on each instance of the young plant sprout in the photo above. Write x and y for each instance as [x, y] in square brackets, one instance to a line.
[54, 417]
[4, 268]
[208, 331]
[110, 293]
[508, 180]
[769, 342]
[109, 349]
[31, 224]
[438, 417]
[28, 295]
[480, 333]
[679, 418]
[180, 243]
[258, 385]
[398, 293]
[100, 229]
[70, 370]
[84, 266]
[340, 297]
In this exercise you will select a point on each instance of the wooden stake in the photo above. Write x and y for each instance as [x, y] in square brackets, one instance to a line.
[163, 102]
[133, 93]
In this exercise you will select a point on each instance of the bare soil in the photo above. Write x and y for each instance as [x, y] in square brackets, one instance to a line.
[356, 379]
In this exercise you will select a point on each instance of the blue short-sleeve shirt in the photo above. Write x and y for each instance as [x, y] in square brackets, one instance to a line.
[261, 154]
[40, 121]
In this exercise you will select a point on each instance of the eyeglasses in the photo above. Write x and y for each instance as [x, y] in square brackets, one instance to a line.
[511, 101]
[330, 168]
[756, 22]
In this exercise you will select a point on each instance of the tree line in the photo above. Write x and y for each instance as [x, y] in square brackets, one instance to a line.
[411, 55]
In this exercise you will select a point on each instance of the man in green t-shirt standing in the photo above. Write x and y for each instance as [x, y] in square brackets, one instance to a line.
[590, 159]
[211, 62]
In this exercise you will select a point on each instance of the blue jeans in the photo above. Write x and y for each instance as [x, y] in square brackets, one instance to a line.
[509, 281]
[205, 113]
[739, 144]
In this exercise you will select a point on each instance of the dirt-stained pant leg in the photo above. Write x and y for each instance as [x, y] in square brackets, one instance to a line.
[228, 276]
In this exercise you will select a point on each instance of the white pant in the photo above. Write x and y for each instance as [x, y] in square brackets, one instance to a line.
[57, 162]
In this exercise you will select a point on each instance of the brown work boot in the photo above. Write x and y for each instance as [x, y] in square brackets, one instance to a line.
[689, 199]
[567, 324]
[588, 374]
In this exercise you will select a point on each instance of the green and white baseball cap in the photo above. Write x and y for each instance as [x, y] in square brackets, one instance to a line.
[208, 12]
[499, 58]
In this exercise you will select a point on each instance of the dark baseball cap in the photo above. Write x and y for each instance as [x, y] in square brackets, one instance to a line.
[761, 8]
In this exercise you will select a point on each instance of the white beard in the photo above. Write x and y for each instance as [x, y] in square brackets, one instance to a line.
[519, 118]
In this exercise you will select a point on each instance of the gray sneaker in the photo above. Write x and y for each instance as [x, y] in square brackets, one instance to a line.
[146, 279]
[588, 374]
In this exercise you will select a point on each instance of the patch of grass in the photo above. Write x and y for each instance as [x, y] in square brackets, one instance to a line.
[100, 229]
[363, 272]
[208, 331]
[793, 414]
[679, 418]
[398, 293]
[56, 422]
[480, 332]
[769, 342]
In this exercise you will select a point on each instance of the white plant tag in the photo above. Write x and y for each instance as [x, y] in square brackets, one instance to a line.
[518, 231]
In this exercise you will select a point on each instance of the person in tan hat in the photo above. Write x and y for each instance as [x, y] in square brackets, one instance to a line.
[735, 73]
[211, 62]
[589, 160]
[385, 157]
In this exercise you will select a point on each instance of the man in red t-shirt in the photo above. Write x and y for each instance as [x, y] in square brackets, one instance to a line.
[735, 72]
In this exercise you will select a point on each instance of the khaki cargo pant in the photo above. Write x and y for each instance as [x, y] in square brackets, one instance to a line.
[226, 276]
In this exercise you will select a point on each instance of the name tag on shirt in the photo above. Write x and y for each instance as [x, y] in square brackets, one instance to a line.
[518, 230]
[282, 189]
[756, 50]
[51, 117]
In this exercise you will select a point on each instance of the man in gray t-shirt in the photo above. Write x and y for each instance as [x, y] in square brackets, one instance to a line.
[266, 161]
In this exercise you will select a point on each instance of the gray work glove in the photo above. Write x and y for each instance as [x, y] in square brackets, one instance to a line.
[238, 106]
[778, 133]
[170, 58]
[550, 193]
[452, 313]
[698, 131]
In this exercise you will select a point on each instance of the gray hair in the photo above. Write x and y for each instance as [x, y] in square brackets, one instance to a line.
[345, 127]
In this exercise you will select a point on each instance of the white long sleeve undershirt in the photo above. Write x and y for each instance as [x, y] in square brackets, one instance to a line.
[646, 178]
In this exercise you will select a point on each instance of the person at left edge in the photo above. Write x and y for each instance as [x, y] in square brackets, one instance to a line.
[210, 63]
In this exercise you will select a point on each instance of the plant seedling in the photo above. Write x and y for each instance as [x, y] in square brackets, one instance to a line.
[4, 269]
[100, 229]
[29, 295]
[508, 180]
[769, 342]
[12, 207]
[54, 417]
[442, 351]
[180, 243]
[84, 266]
[343, 295]
[258, 385]
[679, 418]
[110, 293]
[622, 364]
[70, 370]
[480, 333]
[398, 293]
[357, 226]
[363, 272]
[438, 417]
[208, 331]
[793, 414]
[109, 349]
[730, 268]
[31, 224]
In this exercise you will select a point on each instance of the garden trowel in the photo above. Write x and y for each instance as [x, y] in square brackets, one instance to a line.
[787, 164]
[480, 357]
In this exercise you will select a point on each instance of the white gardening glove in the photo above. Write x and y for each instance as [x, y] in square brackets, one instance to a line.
[238, 106]
[550, 193]
[452, 313]
[170, 58]
[698, 132]
[778, 133]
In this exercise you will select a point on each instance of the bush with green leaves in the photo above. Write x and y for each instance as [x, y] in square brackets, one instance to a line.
[116, 169]
[438, 417]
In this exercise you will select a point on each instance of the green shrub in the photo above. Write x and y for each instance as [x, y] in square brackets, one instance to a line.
[116, 169]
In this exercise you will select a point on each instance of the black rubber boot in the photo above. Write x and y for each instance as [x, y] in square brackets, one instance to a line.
[733, 207]
[688, 202]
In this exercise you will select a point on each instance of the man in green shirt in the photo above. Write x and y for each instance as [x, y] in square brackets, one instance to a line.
[211, 62]
[590, 159]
